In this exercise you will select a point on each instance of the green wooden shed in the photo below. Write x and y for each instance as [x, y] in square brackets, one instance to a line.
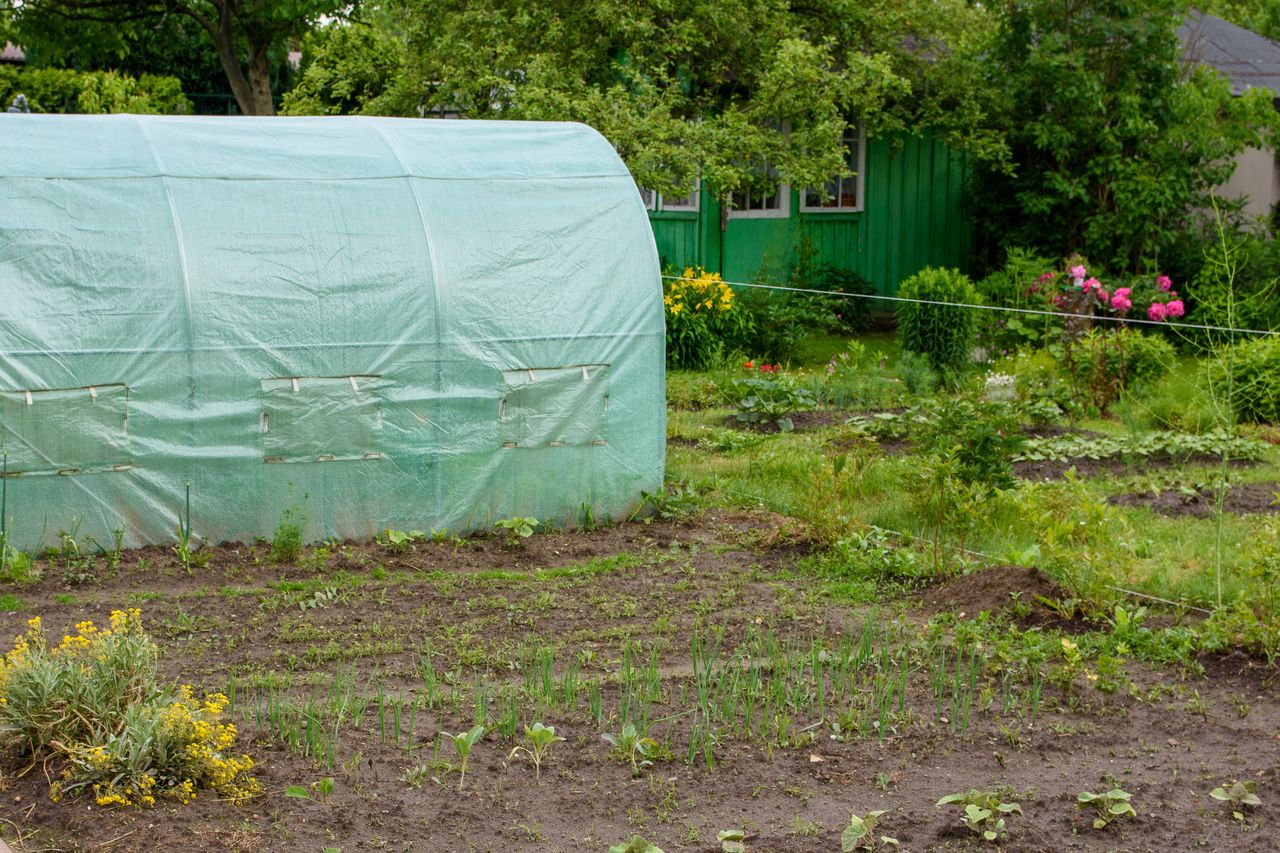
[900, 212]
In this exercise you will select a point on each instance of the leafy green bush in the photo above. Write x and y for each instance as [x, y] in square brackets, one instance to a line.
[1102, 363]
[93, 702]
[1249, 374]
[981, 439]
[761, 400]
[57, 90]
[942, 333]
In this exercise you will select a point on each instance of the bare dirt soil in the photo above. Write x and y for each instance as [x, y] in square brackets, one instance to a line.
[1241, 499]
[482, 604]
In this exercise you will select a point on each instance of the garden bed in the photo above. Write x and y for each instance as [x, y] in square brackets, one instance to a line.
[619, 607]
[1202, 502]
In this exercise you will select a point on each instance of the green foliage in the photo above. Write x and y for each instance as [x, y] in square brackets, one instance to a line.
[400, 540]
[984, 811]
[635, 844]
[686, 90]
[941, 333]
[462, 744]
[1240, 795]
[241, 35]
[1108, 807]
[629, 745]
[1103, 363]
[345, 69]
[54, 90]
[770, 401]
[860, 833]
[1171, 445]
[980, 439]
[731, 840]
[857, 378]
[1248, 376]
[1114, 144]
[540, 740]
[286, 546]
[518, 528]
[321, 788]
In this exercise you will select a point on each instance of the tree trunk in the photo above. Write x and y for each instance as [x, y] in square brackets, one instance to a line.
[253, 93]
[260, 83]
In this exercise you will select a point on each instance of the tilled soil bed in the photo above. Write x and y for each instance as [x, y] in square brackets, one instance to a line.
[631, 595]
[1241, 499]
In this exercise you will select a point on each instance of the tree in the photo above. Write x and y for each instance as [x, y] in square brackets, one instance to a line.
[242, 32]
[1115, 146]
[1261, 16]
[689, 87]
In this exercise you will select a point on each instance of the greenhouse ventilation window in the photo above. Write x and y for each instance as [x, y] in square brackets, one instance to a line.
[321, 418]
[554, 406]
[65, 430]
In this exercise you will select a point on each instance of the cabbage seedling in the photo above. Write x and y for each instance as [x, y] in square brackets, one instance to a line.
[1111, 806]
[630, 745]
[1239, 794]
[540, 739]
[462, 744]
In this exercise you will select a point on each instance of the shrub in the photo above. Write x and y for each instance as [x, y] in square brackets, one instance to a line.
[942, 333]
[1250, 374]
[57, 90]
[94, 703]
[704, 319]
[1104, 362]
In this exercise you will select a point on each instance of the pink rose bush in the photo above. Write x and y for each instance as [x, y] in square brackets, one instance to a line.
[1161, 300]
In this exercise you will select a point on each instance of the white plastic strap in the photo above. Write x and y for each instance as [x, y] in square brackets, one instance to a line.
[585, 376]
[93, 393]
[294, 380]
[531, 376]
[29, 400]
[262, 424]
[354, 386]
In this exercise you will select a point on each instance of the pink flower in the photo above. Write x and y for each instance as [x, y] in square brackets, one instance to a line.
[1123, 292]
[1078, 271]
[1120, 302]
[1175, 308]
[1047, 277]
[1156, 311]
[1101, 294]
[1091, 284]
[1163, 282]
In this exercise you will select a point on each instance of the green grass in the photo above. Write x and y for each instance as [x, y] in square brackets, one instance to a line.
[1138, 548]
[10, 602]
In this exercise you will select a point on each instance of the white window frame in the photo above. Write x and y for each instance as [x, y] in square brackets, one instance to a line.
[649, 197]
[858, 177]
[782, 211]
[665, 204]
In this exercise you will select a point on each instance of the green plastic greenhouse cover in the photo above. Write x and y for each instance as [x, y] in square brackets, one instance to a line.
[379, 323]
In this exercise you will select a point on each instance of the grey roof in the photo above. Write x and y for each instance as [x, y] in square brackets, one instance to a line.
[1247, 59]
[12, 53]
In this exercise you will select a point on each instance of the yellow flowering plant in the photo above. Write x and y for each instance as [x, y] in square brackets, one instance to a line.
[93, 701]
[704, 318]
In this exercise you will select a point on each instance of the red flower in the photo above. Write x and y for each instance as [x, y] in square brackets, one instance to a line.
[748, 365]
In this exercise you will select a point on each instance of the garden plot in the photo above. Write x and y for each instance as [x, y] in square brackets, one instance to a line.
[741, 687]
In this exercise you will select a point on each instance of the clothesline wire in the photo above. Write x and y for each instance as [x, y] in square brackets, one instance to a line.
[999, 308]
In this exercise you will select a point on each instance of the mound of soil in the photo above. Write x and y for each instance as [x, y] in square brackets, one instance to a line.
[1242, 499]
[994, 589]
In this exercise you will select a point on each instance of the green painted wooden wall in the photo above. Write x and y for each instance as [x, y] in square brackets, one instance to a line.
[912, 217]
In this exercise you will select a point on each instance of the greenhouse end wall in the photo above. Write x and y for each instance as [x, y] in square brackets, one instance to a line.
[377, 323]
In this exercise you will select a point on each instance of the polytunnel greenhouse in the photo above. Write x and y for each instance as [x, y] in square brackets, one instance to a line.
[368, 322]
